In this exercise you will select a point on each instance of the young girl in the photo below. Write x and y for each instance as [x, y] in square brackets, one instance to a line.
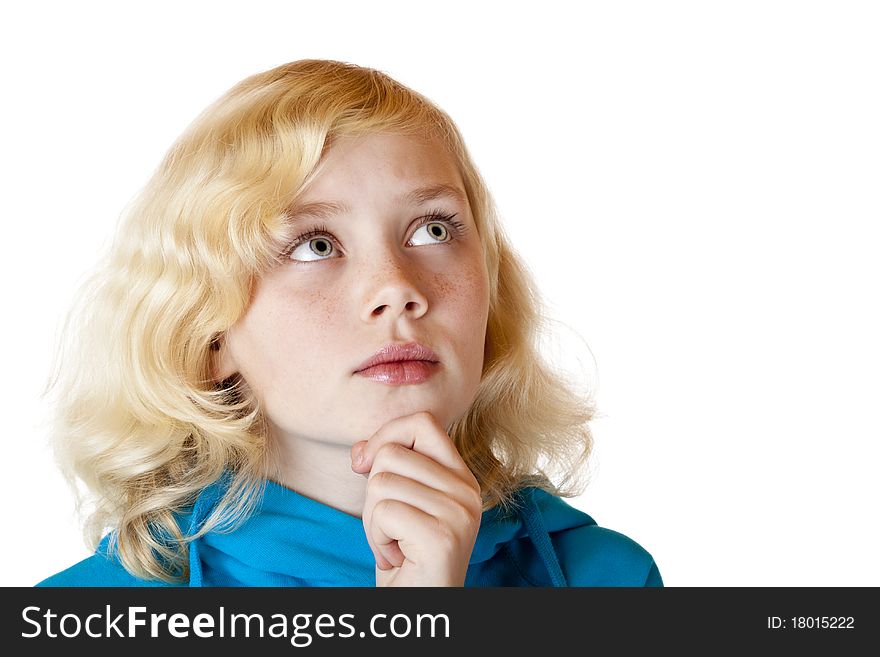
[310, 358]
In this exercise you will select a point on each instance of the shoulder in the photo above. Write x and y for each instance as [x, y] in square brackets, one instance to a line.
[97, 570]
[590, 555]
[597, 556]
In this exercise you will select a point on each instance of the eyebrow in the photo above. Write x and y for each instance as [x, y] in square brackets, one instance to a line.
[417, 196]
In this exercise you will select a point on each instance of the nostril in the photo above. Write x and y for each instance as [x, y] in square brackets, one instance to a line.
[411, 306]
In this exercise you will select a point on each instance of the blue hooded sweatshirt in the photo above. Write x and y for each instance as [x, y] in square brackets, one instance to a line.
[292, 540]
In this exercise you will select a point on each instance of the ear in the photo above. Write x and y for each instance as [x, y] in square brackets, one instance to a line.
[223, 365]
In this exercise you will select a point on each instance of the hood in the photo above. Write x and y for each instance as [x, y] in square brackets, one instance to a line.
[293, 540]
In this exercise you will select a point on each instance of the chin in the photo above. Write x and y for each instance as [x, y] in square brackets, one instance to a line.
[394, 410]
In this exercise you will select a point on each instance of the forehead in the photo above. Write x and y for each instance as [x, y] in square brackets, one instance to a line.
[397, 163]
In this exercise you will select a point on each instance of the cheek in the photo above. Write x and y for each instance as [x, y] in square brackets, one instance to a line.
[310, 310]
[314, 333]
[466, 295]
[277, 329]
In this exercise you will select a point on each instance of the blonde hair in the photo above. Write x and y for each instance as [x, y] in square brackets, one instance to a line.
[138, 419]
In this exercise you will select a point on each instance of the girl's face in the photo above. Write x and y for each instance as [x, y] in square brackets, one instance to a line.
[400, 261]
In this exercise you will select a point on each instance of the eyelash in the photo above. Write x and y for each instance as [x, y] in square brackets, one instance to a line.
[458, 230]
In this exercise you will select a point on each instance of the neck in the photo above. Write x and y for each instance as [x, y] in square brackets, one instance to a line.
[320, 471]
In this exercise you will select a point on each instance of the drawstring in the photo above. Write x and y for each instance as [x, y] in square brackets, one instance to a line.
[535, 526]
[195, 565]
[202, 507]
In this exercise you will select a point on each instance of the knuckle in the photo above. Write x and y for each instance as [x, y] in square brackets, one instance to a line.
[443, 535]
[383, 478]
[427, 417]
[474, 494]
[389, 450]
[476, 503]
[471, 516]
[470, 527]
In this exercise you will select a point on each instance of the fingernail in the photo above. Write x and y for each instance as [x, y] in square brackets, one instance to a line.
[357, 454]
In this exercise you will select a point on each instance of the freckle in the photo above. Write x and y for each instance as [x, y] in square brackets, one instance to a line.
[461, 287]
[444, 284]
[317, 299]
[325, 303]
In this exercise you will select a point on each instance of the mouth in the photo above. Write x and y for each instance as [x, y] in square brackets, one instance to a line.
[401, 372]
[400, 364]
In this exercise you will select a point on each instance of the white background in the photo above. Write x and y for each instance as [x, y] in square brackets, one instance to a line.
[693, 184]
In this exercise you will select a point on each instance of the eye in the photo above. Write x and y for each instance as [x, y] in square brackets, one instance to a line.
[314, 245]
[437, 232]
[319, 244]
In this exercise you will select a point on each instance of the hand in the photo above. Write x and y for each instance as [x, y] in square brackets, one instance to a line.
[423, 506]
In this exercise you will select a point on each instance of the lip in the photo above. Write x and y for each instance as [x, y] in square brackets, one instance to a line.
[403, 372]
[400, 363]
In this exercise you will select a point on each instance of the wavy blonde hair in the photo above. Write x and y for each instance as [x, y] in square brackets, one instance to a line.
[139, 424]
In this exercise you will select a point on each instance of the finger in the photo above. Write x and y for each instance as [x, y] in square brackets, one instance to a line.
[392, 486]
[420, 432]
[396, 458]
[393, 555]
[410, 527]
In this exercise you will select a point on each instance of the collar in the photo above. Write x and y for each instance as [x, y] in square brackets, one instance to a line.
[291, 538]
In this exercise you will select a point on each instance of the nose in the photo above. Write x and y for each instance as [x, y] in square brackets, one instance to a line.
[394, 290]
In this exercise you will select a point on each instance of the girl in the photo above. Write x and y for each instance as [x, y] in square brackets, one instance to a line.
[310, 359]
